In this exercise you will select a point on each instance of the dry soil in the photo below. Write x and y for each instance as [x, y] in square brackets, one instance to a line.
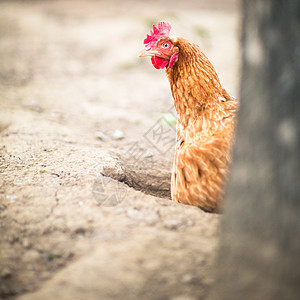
[86, 147]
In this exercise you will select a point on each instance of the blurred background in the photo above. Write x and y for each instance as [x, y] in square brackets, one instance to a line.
[82, 55]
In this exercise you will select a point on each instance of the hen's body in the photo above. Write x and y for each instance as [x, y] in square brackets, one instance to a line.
[205, 123]
[205, 128]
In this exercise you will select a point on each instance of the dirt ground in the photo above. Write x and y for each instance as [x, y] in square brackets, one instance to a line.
[86, 148]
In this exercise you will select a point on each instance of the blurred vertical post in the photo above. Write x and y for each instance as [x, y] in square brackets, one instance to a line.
[259, 256]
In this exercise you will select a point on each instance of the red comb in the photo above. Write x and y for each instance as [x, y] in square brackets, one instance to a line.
[163, 29]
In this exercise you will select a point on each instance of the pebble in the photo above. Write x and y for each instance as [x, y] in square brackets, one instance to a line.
[11, 198]
[172, 224]
[2, 207]
[68, 141]
[101, 136]
[117, 135]
[149, 216]
[30, 256]
[148, 154]
[5, 272]
[26, 243]
[18, 182]
[187, 278]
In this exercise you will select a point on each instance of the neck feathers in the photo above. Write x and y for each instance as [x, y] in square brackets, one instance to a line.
[193, 79]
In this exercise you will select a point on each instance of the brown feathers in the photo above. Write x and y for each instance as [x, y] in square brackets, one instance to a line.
[205, 129]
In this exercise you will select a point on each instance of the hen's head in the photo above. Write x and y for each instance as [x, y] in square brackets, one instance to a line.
[160, 47]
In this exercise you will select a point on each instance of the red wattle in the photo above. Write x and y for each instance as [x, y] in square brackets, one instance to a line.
[159, 63]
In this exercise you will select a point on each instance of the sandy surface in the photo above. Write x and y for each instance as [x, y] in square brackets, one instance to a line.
[77, 104]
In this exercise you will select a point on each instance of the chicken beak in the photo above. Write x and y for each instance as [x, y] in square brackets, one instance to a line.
[147, 52]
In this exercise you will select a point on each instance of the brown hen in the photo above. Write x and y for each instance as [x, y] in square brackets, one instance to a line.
[205, 123]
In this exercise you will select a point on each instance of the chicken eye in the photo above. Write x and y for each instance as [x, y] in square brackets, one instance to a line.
[165, 45]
